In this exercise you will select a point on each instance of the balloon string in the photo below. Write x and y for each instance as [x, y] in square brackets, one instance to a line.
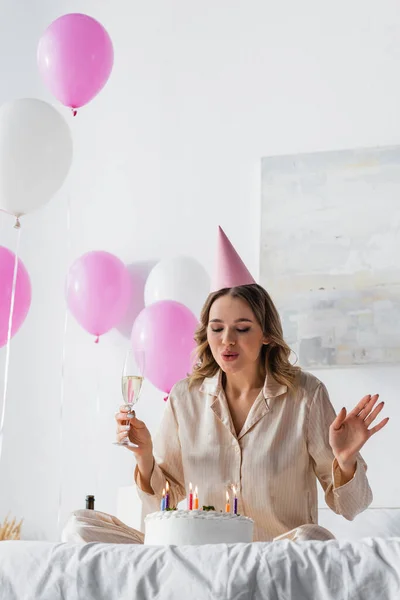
[96, 341]
[96, 430]
[62, 387]
[10, 322]
[74, 112]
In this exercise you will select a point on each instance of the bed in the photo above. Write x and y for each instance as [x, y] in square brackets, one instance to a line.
[336, 570]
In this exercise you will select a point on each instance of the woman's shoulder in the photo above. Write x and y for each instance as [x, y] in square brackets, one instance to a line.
[183, 389]
[198, 386]
[180, 388]
[187, 401]
[308, 385]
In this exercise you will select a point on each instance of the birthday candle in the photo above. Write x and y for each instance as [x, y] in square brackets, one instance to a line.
[163, 500]
[235, 501]
[166, 495]
[190, 499]
[196, 499]
[227, 505]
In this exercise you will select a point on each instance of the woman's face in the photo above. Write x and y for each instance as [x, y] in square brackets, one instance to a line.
[234, 335]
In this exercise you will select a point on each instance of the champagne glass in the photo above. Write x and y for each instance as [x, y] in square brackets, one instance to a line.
[131, 384]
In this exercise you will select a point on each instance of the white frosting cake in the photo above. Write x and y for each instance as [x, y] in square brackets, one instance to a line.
[195, 527]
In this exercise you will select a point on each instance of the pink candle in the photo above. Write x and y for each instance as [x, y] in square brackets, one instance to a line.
[190, 499]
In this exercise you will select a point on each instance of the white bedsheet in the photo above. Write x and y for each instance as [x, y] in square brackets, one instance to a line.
[365, 570]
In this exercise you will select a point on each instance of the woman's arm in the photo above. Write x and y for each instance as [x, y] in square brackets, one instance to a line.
[152, 472]
[145, 466]
[350, 431]
[347, 492]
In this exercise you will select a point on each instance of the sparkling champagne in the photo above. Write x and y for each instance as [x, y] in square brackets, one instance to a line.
[131, 386]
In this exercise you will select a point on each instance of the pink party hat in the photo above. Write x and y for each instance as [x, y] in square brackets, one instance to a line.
[230, 270]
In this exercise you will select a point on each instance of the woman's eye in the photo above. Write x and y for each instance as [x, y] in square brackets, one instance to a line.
[216, 330]
[243, 330]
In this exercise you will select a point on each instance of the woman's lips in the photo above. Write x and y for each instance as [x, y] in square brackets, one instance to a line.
[229, 357]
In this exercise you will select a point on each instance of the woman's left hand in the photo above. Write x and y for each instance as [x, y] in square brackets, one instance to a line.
[349, 432]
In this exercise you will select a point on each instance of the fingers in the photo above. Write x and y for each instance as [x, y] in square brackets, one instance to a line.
[379, 426]
[122, 436]
[124, 426]
[337, 423]
[125, 423]
[368, 407]
[128, 411]
[124, 416]
[360, 406]
[372, 416]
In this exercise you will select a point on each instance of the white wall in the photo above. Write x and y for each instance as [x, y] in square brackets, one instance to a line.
[169, 150]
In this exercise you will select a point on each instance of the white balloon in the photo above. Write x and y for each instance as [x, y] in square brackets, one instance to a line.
[35, 154]
[182, 279]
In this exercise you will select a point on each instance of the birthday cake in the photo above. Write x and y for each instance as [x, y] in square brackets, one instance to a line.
[196, 527]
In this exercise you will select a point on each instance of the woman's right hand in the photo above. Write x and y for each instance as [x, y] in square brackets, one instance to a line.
[136, 431]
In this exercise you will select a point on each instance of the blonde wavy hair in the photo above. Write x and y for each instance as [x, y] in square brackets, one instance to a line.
[274, 356]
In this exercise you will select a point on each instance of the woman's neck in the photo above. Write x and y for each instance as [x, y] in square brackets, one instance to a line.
[244, 382]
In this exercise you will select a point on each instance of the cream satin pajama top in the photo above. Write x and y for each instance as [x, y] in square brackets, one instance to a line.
[274, 462]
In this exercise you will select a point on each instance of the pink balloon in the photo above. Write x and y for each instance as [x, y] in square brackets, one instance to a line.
[75, 58]
[23, 294]
[165, 332]
[98, 291]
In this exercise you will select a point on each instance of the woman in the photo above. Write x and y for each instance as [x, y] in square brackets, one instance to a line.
[247, 419]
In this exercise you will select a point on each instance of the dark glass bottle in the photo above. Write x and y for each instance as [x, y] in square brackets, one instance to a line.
[90, 502]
